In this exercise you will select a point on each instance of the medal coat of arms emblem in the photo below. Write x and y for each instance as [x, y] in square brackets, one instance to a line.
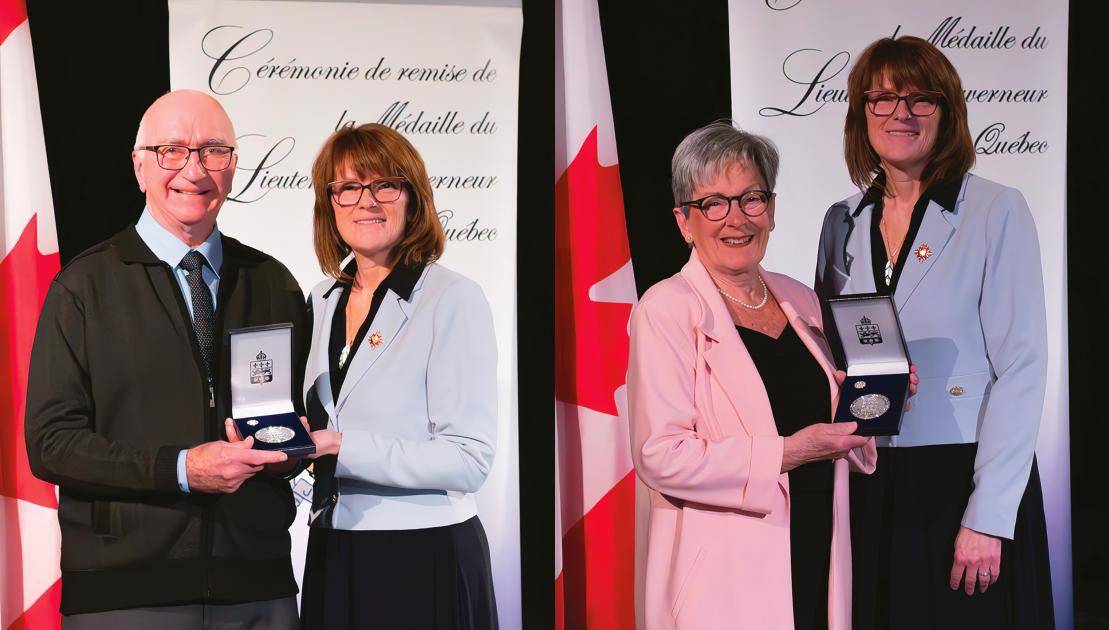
[261, 369]
[869, 333]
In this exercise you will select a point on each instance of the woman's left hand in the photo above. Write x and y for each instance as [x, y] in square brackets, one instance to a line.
[914, 380]
[327, 441]
[979, 557]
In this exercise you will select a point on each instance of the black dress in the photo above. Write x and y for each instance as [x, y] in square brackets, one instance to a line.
[904, 517]
[438, 578]
[798, 391]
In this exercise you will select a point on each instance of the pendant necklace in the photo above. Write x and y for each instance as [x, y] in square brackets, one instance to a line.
[890, 255]
[346, 348]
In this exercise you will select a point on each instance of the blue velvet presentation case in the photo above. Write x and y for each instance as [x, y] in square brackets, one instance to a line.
[262, 388]
[877, 363]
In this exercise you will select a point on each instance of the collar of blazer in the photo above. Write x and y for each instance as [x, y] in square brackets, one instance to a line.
[390, 318]
[941, 218]
[730, 363]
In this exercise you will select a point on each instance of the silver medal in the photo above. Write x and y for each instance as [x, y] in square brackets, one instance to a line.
[252, 422]
[277, 435]
[860, 384]
[870, 406]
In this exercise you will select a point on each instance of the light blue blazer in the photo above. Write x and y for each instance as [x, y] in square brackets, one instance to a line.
[418, 410]
[974, 318]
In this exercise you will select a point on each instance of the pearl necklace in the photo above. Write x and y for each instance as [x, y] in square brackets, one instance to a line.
[753, 307]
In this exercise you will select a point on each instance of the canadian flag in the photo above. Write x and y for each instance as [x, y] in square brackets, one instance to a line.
[594, 295]
[30, 585]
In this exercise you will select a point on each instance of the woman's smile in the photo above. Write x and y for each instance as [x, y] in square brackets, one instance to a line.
[737, 241]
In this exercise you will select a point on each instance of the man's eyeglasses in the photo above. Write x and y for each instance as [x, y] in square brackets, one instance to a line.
[716, 207]
[382, 190]
[884, 103]
[174, 157]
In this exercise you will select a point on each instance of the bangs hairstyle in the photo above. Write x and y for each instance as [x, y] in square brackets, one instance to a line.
[382, 151]
[907, 63]
[714, 148]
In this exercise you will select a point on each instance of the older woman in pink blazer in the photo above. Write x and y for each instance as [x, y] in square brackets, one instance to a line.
[731, 391]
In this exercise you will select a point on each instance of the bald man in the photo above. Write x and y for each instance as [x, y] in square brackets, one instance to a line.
[165, 525]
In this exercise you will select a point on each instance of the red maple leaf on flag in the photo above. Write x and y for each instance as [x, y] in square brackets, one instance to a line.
[591, 243]
[595, 588]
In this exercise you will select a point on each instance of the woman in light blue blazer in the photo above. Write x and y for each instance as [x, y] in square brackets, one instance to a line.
[401, 385]
[949, 532]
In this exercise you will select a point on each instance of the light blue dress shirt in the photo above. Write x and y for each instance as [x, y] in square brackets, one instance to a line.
[170, 250]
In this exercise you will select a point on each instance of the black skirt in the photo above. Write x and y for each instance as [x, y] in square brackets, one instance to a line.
[437, 578]
[904, 519]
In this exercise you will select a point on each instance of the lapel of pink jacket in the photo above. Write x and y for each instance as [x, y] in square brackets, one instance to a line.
[728, 359]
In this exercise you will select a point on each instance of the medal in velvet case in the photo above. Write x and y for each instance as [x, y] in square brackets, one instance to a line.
[877, 363]
[261, 389]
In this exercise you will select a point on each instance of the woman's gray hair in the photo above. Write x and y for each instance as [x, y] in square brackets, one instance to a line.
[712, 149]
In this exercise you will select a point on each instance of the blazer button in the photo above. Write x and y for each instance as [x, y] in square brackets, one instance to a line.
[957, 390]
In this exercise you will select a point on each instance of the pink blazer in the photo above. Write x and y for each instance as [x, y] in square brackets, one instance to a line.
[705, 444]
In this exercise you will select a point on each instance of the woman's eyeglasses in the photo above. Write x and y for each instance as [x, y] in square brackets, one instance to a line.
[382, 190]
[884, 103]
[716, 207]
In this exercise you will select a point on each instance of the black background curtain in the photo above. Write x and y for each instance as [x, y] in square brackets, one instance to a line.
[100, 65]
[1087, 291]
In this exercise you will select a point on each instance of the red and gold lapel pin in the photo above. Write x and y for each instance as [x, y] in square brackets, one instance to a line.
[923, 252]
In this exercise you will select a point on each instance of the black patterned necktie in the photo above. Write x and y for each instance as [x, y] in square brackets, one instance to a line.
[203, 312]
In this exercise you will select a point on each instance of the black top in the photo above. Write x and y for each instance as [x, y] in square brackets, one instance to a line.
[117, 388]
[944, 192]
[402, 279]
[798, 391]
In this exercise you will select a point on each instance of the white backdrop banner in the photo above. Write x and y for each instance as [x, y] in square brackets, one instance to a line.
[789, 65]
[447, 77]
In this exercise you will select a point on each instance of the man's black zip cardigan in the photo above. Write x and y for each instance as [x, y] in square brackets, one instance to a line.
[116, 388]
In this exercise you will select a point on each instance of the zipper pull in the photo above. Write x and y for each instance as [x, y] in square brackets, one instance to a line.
[211, 397]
